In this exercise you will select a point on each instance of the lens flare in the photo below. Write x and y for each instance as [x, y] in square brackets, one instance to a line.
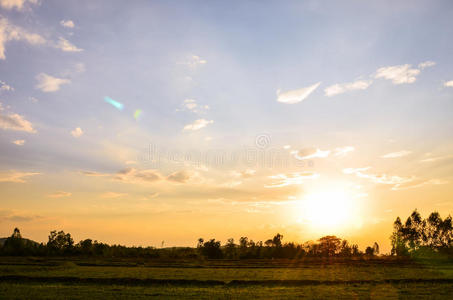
[116, 104]
[137, 114]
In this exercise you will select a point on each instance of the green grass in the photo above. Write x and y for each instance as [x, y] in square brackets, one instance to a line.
[362, 291]
[57, 278]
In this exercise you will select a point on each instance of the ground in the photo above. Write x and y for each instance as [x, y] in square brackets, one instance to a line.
[77, 278]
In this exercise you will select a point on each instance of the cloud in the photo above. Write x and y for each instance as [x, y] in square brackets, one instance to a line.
[66, 46]
[19, 142]
[244, 174]
[419, 183]
[14, 216]
[112, 195]
[59, 194]
[5, 87]
[343, 151]
[448, 83]
[436, 158]
[296, 96]
[193, 106]
[47, 83]
[394, 180]
[198, 124]
[402, 73]
[179, 176]
[337, 89]
[397, 154]
[195, 61]
[297, 178]
[9, 32]
[67, 23]
[16, 4]
[426, 64]
[309, 153]
[15, 122]
[77, 132]
[15, 176]
[137, 176]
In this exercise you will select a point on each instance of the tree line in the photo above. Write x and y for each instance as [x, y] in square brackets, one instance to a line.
[416, 236]
[421, 237]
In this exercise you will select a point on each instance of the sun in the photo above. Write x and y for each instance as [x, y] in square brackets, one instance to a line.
[329, 210]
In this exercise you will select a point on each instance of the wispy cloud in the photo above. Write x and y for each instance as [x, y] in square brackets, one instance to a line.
[426, 64]
[193, 106]
[5, 87]
[66, 46]
[47, 83]
[198, 124]
[397, 154]
[59, 194]
[16, 4]
[180, 176]
[281, 180]
[13, 121]
[395, 181]
[436, 158]
[15, 176]
[9, 32]
[337, 89]
[309, 153]
[343, 151]
[296, 96]
[77, 132]
[112, 195]
[67, 23]
[400, 74]
[19, 142]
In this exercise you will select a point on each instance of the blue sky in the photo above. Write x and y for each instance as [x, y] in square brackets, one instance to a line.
[319, 77]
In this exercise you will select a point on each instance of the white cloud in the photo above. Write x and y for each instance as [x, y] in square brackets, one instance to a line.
[16, 4]
[15, 122]
[15, 176]
[426, 64]
[5, 87]
[19, 142]
[47, 83]
[195, 60]
[193, 106]
[9, 32]
[67, 23]
[59, 194]
[309, 153]
[436, 158]
[66, 46]
[282, 180]
[419, 183]
[112, 195]
[397, 154]
[394, 180]
[198, 124]
[77, 132]
[343, 151]
[398, 74]
[448, 83]
[295, 96]
[337, 89]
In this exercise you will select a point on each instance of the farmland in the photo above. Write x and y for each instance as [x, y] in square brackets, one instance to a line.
[312, 278]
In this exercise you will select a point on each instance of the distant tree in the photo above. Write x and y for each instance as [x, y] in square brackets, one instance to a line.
[329, 245]
[369, 251]
[16, 234]
[60, 242]
[375, 248]
[230, 248]
[277, 240]
[211, 249]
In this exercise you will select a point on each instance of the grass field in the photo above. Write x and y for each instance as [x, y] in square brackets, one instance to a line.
[26, 278]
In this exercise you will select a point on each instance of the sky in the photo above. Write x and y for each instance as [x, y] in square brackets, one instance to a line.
[158, 122]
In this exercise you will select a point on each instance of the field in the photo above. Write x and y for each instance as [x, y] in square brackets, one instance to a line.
[40, 278]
